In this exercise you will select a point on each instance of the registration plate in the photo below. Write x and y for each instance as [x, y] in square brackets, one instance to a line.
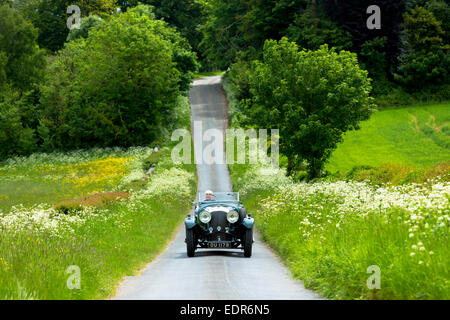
[219, 244]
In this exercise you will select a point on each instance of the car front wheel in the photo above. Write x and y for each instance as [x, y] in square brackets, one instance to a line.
[190, 242]
[248, 243]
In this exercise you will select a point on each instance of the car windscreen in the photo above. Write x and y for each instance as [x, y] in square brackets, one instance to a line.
[220, 196]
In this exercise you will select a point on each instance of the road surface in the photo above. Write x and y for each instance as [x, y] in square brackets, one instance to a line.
[220, 275]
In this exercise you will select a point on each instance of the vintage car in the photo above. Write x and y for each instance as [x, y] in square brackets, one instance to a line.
[219, 223]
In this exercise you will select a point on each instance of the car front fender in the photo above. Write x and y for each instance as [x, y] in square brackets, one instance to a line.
[190, 222]
[248, 222]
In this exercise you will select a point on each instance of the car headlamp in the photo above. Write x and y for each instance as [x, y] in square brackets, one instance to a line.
[204, 216]
[232, 216]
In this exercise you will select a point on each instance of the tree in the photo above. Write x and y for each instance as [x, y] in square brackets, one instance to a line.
[101, 8]
[240, 27]
[269, 19]
[373, 59]
[86, 24]
[182, 55]
[426, 60]
[352, 16]
[117, 87]
[185, 15]
[313, 28]
[441, 10]
[49, 17]
[312, 97]
[21, 60]
[21, 67]
[3, 63]
[15, 137]
[222, 32]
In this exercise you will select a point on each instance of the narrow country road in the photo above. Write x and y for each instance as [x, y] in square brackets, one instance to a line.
[221, 275]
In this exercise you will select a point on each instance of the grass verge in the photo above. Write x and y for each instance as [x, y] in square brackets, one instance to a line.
[330, 234]
[99, 237]
[333, 234]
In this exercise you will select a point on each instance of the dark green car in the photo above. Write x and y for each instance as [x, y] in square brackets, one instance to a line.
[220, 223]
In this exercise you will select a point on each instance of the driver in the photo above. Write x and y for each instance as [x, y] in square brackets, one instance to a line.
[209, 195]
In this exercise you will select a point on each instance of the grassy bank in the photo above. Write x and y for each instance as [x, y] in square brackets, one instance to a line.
[107, 235]
[386, 204]
[330, 233]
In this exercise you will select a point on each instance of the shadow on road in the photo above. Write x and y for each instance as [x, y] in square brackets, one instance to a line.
[209, 253]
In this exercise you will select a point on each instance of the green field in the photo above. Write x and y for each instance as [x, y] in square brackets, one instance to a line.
[415, 136]
[49, 178]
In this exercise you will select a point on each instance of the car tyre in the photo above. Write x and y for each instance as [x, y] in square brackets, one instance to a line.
[190, 242]
[248, 243]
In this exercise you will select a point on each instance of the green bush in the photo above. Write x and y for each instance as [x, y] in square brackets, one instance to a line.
[427, 59]
[312, 97]
[185, 15]
[397, 96]
[311, 30]
[21, 67]
[15, 138]
[441, 10]
[21, 60]
[373, 59]
[119, 86]
[86, 24]
[50, 18]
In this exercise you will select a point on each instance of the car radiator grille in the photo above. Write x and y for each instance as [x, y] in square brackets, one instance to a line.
[219, 219]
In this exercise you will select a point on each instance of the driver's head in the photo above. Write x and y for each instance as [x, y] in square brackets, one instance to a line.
[208, 195]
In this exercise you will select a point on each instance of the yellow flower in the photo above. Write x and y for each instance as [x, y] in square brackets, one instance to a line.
[107, 170]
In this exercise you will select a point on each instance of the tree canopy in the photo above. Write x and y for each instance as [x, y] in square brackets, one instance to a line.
[313, 97]
[21, 60]
[116, 79]
[427, 59]
[118, 86]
